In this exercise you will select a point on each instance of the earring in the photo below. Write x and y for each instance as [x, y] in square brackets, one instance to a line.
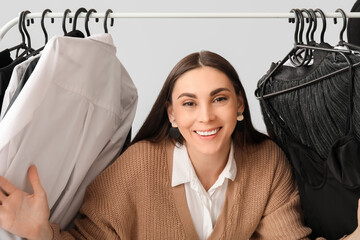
[240, 124]
[240, 117]
[174, 131]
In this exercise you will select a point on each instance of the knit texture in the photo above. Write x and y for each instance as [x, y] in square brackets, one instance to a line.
[133, 199]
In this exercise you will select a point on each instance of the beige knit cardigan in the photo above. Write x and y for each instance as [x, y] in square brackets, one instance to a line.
[133, 199]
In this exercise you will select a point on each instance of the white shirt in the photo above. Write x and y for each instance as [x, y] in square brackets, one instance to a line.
[70, 120]
[204, 207]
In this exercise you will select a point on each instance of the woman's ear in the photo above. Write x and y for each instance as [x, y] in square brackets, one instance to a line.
[170, 112]
[241, 105]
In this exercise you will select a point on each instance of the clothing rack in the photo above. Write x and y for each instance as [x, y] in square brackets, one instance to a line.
[14, 21]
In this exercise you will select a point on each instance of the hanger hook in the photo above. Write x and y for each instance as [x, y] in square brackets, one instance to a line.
[77, 13]
[87, 20]
[23, 44]
[20, 27]
[66, 12]
[314, 19]
[292, 20]
[343, 15]
[322, 15]
[310, 21]
[295, 57]
[106, 18]
[301, 22]
[43, 24]
[25, 30]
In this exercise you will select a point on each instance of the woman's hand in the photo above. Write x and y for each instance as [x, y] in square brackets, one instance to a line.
[24, 214]
[356, 234]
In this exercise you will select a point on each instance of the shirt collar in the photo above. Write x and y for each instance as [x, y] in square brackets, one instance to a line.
[103, 38]
[183, 170]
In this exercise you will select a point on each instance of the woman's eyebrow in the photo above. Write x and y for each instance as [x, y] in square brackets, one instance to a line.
[216, 91]
[187, 95]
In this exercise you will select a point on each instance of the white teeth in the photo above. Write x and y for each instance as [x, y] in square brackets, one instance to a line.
[208, 133]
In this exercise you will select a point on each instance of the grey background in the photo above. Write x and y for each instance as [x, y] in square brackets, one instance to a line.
[149, 48]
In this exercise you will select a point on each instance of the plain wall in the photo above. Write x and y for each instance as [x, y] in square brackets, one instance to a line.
[149, 48]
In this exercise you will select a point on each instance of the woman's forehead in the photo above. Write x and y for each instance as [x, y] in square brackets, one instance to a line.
[203, 78]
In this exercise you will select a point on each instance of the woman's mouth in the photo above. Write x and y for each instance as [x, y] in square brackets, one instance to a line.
[208, 133]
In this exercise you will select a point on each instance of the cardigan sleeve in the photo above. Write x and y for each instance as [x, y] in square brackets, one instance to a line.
[282, 218]
[107, 211]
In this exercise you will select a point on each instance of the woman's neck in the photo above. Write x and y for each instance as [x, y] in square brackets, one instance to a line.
[208, 167]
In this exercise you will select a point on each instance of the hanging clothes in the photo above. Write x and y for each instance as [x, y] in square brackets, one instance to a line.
[16, 78]
[353, 32]
[312, 124]
[5, 58]
[24, 70]
[70, 119]
[5, 75]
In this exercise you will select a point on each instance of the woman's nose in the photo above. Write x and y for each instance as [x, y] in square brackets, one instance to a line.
[205, 114]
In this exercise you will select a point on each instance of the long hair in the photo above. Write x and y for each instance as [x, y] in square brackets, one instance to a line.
[156, 126]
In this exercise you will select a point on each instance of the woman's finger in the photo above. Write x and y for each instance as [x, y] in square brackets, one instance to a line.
[6, 186]
[35, 180]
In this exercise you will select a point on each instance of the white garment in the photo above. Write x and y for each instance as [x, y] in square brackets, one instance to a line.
[204, 207]
[70, 120]
[16, 76]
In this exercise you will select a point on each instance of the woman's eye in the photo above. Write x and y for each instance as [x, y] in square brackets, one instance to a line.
[188, 104]
[220, 99]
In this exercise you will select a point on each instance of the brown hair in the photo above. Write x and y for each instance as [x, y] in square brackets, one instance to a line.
[156, 126]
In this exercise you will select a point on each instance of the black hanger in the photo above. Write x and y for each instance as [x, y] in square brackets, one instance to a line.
[322, 15]
[34, 52]
[259, 91]
[66, 12]
[22, 45]
[309, 41]
[87, 20]
[106, 18]
[341, 39]
[28, 48]
[296, 58]
[310, 22]
[26, 32]
[314, 19]
[77, 13]
[43, 24]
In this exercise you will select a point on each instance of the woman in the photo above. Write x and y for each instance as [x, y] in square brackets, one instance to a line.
[197, 169]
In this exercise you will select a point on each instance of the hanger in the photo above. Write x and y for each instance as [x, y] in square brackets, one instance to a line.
[87, 20]
[343, 15]
[28, 48]
[43, 25]
[309, 40]
[66, 12]
[77, 13]
[259, 92]
[34, 52]
[296, 32]
[341, 39]
[106, 18]
[323, 18]
[22, 45]
[314, 19]
[309, 20]
[296, 59]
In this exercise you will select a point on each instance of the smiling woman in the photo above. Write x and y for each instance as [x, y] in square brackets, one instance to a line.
[215, 180]
[204, 106]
